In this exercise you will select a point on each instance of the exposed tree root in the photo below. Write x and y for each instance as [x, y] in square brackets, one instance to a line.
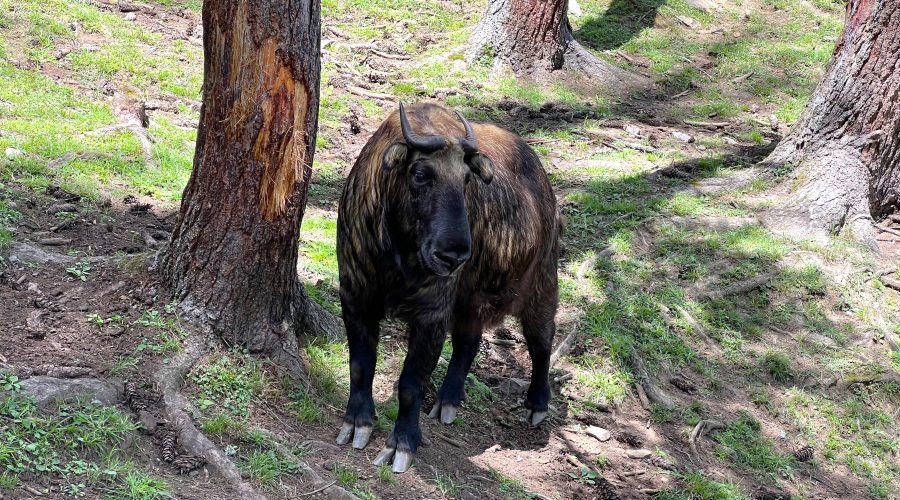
[653, 392]
[702, 428]
[169, 380]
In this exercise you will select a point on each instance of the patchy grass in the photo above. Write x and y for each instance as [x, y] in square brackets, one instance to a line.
[743, 445]
[78, 444]
[233, 381]
[267, 467]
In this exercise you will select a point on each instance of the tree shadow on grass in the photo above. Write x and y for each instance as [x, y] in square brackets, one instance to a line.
[622, 21]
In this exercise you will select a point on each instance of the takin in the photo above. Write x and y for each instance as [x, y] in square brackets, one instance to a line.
[446, 225]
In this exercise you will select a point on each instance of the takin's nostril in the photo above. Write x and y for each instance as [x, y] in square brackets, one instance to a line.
[452, 259]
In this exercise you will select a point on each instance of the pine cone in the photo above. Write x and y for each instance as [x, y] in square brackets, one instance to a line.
[606, 490]
[187, 463]
[170, 445]
[683, 384]
[629, 439]
[804, 454]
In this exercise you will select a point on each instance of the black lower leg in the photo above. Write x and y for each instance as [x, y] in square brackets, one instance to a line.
[425, 343]
[466, 340]
[539, 330]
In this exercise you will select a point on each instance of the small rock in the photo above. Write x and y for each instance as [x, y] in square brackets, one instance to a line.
[316, 445]
[633, 131]
[131, 16]
[513, 386]
[638, 454]
[148, 421]
[518, 111]
[68, 371]
[575, 8]
[687, 21]
[62, 207]
[599, 433]
[13, 153]
[729, 141]
[681, 136]
[701, 5]
[47, 391]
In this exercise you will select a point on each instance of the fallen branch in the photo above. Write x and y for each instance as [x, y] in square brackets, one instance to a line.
[386, 55]
[741, 78]
[450, 441]
[563, 348]
[372, 95]
[890, 283]
[317, 490]
[702, 428]
[707, 124]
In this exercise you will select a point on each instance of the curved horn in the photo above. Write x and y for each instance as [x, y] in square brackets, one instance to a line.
[469, 144]
[425, 144]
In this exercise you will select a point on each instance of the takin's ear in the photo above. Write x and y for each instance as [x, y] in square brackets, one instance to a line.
[482, 166]
[394, 156]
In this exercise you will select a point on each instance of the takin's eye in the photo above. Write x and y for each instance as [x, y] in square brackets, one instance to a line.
[420, 178]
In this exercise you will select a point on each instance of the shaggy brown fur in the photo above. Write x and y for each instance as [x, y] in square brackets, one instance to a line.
[514, 225]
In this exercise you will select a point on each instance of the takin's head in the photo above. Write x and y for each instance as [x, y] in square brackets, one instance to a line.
[436, 171]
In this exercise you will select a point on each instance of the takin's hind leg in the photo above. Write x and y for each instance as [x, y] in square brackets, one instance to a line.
[539, 327]
[466, 337]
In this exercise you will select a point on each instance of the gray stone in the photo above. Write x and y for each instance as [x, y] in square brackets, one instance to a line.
[46, 391]
[599, 433]
[681, 136]
[638, 454]
[148, 421]
[513, 386]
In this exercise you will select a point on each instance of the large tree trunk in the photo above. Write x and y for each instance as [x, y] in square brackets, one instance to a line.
[234, 250]
[846, 146]
[533, 36]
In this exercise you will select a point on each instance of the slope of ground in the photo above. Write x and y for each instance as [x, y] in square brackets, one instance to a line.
[768, 344]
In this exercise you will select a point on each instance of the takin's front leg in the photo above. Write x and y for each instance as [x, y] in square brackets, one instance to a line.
[425, 343]
[362, 340]
[466, 340]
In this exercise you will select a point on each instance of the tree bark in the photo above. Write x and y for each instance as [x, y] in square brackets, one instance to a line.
[534, 36]
[846, 146]
[233, 255]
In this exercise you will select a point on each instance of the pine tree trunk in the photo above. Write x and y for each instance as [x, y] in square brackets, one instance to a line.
[234, 250]
[846, 146]
[533, 36]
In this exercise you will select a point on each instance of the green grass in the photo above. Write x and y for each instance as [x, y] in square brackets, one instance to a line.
[345, 474]
[777, 364]
[78, 443]
[267, 467]
[142, 486]
[512, 489]
[233, 381]
[743, 444]
[696, 486]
